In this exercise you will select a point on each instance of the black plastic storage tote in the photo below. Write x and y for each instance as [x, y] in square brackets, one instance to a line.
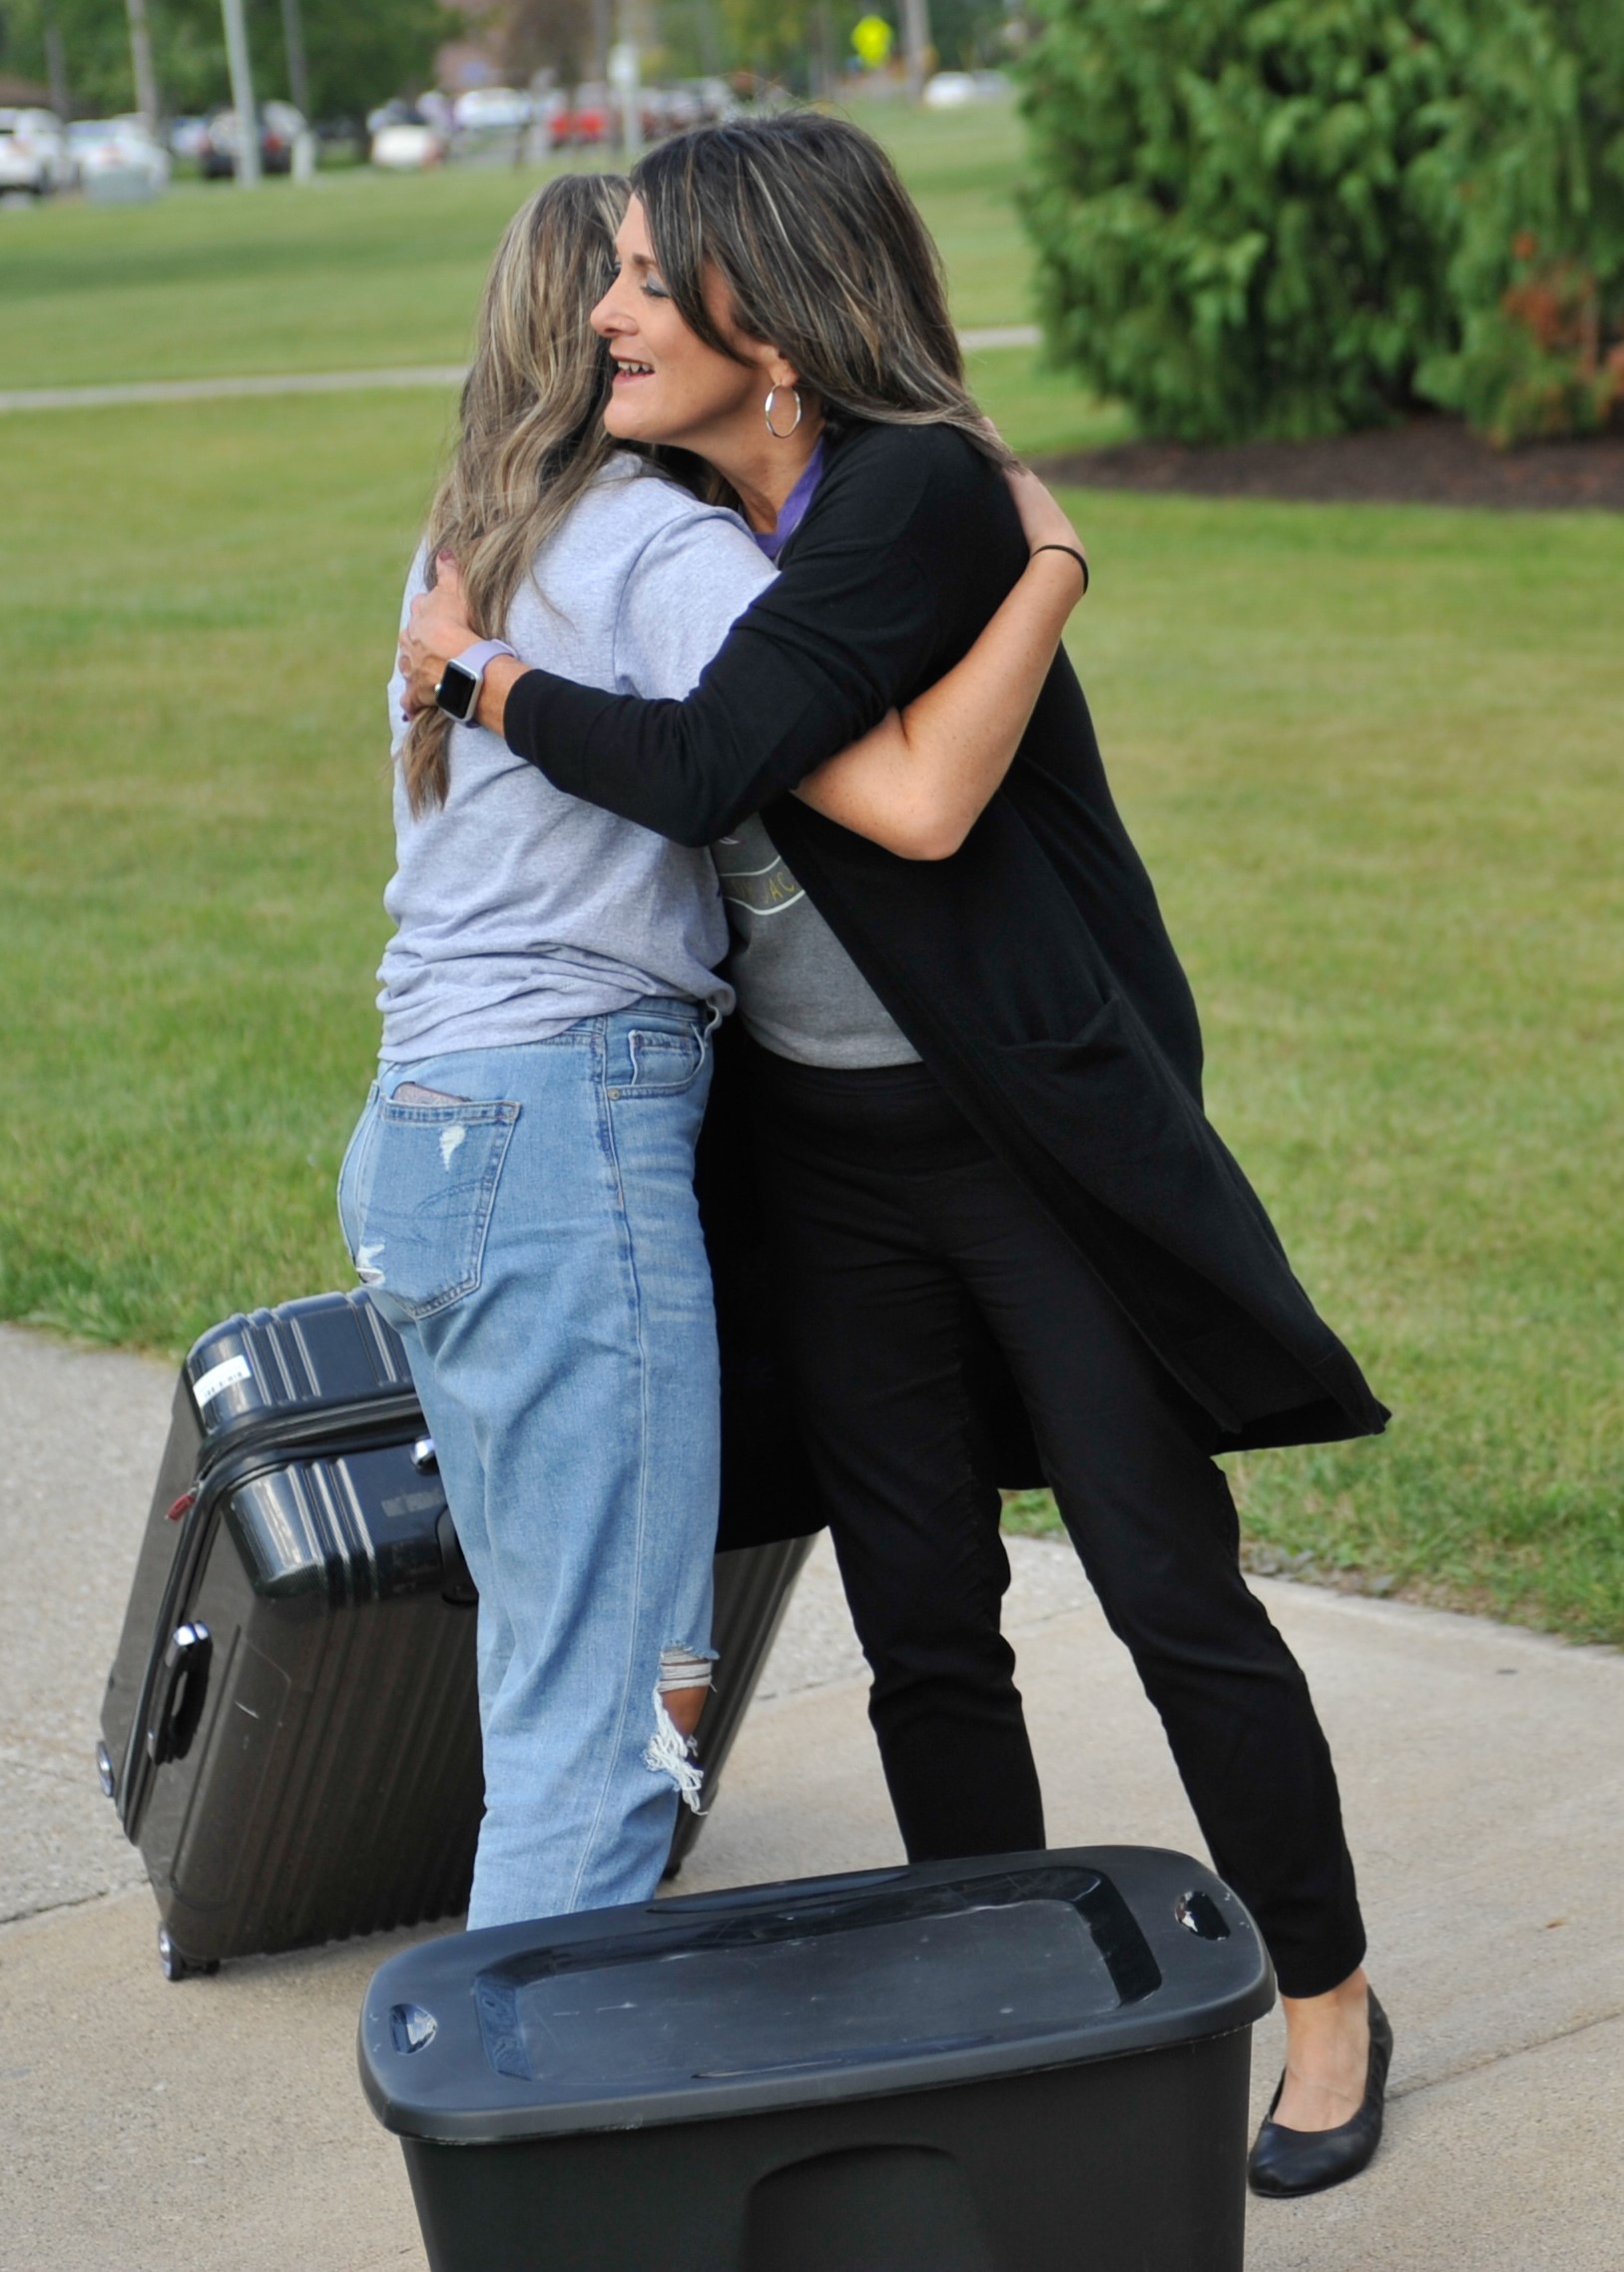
[1031, 2062]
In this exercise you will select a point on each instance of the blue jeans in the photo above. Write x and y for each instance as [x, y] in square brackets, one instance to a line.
[531, 1232]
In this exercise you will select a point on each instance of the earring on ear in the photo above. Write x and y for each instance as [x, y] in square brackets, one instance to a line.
[781, 435]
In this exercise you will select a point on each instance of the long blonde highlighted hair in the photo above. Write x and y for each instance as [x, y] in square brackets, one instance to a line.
[530, 431]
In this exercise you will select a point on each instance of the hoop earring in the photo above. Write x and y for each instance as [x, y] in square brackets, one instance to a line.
[767, 412]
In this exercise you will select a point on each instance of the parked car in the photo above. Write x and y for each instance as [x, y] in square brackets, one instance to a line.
[109, 154]
[586, 119]
[404, 140]
[948, 90]
[186, 137]
[33, 155]
[396, 111]
[492, 110]
[668, 110]
[953, 90]
[280, 127]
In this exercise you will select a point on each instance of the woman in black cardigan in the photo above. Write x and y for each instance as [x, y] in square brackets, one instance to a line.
[1006, 1244]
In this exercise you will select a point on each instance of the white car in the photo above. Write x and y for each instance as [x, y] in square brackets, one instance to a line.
[407, 144]
[955, 89]
[33, 154]
[492, 110]
[118, 158]
[187, 137]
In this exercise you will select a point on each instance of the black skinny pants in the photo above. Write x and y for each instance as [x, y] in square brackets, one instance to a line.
[902, 1244]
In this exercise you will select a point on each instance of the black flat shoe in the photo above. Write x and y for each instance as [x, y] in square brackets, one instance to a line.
[1287, 2162]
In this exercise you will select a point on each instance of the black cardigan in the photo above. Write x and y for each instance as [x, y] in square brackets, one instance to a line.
[1032, 970]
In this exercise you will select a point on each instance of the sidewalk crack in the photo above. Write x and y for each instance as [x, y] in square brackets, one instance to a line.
[1499, 2058]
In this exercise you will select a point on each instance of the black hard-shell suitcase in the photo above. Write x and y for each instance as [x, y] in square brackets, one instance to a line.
[291, 1728]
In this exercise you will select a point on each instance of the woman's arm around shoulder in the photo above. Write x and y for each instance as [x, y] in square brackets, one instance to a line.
[918, 783]
[846, 633]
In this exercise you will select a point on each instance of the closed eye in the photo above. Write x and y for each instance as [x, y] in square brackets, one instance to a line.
[649, 280]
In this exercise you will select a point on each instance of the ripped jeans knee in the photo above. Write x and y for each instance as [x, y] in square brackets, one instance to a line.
[670, 1751]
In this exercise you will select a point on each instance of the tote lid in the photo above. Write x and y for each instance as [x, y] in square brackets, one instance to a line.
[807, 1993]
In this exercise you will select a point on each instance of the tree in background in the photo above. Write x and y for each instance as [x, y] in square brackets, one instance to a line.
[95, 44]
[361, 51]
[1532, 223]
[358, 52]
[775, 39]
[970, 35]
[1297, 218]
[807, 44]
[561, 36]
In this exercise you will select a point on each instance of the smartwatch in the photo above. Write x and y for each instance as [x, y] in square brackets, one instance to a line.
[458, 690]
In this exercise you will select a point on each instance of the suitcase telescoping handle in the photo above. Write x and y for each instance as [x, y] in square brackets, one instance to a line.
[176, 1703]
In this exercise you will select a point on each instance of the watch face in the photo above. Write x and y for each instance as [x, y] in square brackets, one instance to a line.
[457, 692]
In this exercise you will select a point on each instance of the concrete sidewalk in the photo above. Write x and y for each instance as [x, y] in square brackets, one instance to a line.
[217, 2126]
[434, 376]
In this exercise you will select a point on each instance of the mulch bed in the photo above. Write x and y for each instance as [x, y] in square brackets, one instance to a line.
[1431, 461]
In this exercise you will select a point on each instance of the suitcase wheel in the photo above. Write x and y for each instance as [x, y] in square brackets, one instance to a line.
[174, 1967]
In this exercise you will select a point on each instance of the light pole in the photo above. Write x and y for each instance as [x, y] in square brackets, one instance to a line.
[710, 52]
[626, 77]
[915, 43]
[248, 118]
[298, 77]
[56, 65]
[141, 57]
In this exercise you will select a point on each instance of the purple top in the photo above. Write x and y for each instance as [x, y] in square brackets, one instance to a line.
[793, 509]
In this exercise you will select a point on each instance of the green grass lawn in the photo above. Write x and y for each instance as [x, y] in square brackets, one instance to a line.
[1373, 758]
[1372, 755]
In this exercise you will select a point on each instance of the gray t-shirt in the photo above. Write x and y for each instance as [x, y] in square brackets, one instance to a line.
[800, 993]
[519, 910]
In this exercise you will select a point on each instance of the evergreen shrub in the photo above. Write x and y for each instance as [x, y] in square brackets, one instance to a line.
[1298, 216]
[1531, 231]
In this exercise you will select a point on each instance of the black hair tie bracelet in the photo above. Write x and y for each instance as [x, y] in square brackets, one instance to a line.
[1076, 554]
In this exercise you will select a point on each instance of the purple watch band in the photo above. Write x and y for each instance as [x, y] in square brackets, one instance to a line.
[474, 659]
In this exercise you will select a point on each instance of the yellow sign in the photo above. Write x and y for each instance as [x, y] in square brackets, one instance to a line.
[873, 40]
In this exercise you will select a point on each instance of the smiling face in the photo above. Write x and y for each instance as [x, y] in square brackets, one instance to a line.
[669, 387]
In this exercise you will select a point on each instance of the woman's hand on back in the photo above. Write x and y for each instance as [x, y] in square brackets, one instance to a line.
[1041, 518]
[437, 631]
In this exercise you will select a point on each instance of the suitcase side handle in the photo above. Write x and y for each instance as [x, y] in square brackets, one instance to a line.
[178, 1693]
[355, 1425]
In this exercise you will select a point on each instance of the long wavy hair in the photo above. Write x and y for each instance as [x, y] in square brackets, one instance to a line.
[822, 252]
[530, 431]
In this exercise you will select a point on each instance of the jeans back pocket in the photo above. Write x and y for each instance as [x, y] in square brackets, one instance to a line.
[416, 1199]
